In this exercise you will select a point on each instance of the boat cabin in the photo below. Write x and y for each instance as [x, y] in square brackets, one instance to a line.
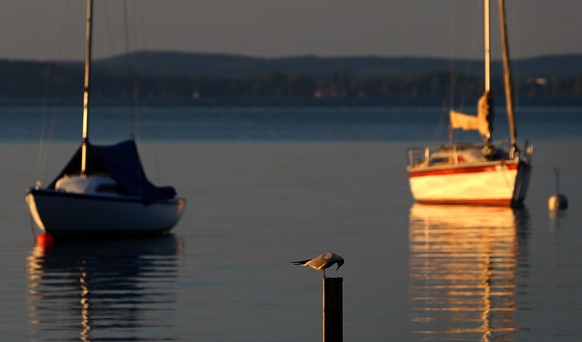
[89, 185]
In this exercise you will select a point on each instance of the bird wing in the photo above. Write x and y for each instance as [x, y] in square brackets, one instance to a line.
[320, 262]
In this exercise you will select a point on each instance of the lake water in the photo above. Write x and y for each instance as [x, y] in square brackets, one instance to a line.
[266, 186]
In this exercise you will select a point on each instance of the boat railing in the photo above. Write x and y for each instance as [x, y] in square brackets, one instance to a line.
[432, 155]
[456, 154]
[417, 155]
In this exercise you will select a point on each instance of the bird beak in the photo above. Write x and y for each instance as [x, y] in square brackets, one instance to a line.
[338, 266]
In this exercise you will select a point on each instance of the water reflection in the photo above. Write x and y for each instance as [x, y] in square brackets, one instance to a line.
[555, 219]
[464, 270]
[103, 290]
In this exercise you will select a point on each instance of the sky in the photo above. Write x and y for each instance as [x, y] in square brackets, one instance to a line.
[54, 29]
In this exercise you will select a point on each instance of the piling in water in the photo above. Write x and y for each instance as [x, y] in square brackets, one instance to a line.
[332, 310]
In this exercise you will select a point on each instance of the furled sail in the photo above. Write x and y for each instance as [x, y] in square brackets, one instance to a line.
[483, 122]
[466, 122]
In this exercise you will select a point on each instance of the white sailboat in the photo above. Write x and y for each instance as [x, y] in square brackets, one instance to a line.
[103, 190]
[486, 173]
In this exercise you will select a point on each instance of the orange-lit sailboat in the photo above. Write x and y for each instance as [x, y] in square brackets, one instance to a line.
[486, 173]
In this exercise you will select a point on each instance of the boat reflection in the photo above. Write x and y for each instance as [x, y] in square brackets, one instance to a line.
[464, 270]
[103, 290]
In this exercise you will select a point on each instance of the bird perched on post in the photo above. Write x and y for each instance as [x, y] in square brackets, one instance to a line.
[321, 262]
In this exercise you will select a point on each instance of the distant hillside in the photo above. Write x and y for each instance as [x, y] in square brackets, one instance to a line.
[222, 65]
[554, 66]
[190, 76]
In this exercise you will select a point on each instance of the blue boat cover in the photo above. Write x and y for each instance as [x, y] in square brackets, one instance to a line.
[121, 162]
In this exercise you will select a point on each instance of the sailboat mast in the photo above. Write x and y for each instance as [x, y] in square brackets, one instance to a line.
[487, 49]
[88, 38]
[507, 75]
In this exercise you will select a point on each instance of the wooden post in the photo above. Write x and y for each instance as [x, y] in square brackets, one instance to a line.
[332, 310]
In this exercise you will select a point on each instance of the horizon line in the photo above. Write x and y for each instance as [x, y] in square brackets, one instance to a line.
[291, 56]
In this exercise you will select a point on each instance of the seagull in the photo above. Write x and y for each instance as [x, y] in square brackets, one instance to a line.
[321, 262]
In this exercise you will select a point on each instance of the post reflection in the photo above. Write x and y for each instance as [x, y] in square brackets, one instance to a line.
[103, 290]
[464, 269]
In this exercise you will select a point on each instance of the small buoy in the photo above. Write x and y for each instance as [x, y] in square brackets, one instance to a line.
[45, 240]
[557, 201]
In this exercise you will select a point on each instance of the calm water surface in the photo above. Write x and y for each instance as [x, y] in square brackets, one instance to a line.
[412, 273]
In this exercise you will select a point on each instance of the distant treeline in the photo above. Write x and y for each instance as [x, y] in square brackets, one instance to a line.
[35, 80]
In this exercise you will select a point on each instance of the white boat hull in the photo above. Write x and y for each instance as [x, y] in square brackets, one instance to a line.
[61, 213]
[488, 183]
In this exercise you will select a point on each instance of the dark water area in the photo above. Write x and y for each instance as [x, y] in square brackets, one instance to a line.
[276, 123]
[291, 184]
